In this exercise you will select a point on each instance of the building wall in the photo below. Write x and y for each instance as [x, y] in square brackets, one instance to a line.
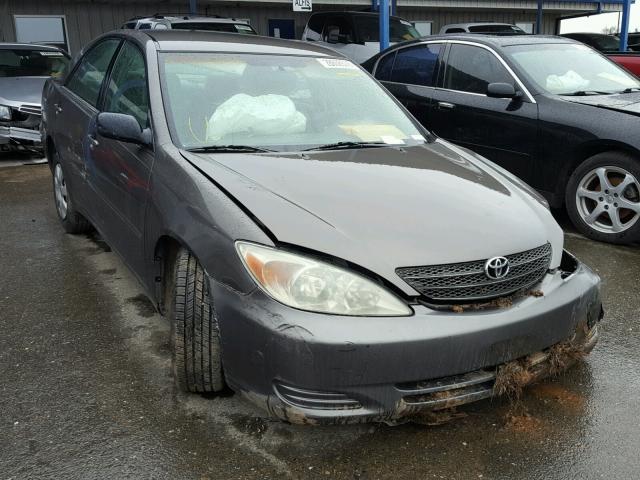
[87, 19]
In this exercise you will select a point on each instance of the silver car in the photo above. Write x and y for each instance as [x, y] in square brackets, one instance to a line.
[24, 68]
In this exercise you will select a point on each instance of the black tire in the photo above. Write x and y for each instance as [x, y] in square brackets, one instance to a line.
[197, 365]
[71, 220]
[615, 164]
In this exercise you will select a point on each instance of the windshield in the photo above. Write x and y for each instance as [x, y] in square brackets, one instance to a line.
[368, 28]
[277, 102]
[496, 29]
[32, 63]
[569, 69]
[215, 27]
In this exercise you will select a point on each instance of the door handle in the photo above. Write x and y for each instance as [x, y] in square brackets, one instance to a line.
[446, 105]
[57, 108]
[93, 141]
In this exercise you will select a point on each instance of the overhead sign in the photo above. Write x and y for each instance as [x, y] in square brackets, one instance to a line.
[301, 5]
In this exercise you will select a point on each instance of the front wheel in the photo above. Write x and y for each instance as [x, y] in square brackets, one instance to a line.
[603, 198]
[195, 335]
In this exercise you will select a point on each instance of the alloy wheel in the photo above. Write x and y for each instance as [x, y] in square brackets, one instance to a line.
[60, 191]
[608, 199]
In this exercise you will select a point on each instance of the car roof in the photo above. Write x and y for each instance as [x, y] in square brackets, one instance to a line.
[587, 34]
[188, 18]
[494, 40]
[206, 41]
[476, 24]
[28, 46]
[352, 12]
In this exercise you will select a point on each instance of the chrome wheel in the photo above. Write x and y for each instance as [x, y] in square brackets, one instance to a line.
[60, 191]
[608, 199]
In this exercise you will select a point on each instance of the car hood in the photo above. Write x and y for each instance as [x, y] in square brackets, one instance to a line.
[384, 208]
[626, 102]
[18, 90]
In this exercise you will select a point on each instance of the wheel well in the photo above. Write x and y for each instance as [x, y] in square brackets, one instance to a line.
[49, 149]
[584, 153]
[164, 257]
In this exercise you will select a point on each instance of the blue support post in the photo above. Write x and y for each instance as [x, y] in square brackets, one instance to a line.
[624, 28]
[539, 18]
[384, 24]
[394, 5]
[193, 7]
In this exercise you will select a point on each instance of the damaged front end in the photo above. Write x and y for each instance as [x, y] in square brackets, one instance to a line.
[365, 370]
[432, 401]
[20, 127]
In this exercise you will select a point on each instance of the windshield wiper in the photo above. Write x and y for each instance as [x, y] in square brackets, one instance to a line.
[630, 90]
[346, 145]
[584, 93]
[228, 148]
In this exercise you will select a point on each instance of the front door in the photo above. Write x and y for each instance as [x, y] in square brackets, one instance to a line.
[501, 129]
[75, 110]
[282, 28]
[121, 172]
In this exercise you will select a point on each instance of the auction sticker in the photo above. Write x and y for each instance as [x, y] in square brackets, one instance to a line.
[336, 63]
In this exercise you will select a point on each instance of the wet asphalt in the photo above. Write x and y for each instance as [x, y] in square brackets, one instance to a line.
[86, 390]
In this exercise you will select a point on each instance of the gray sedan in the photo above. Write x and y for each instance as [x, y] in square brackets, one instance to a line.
[313, 246]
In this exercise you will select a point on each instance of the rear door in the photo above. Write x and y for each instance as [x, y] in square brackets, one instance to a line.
[503, 130]
[121, 170]
[409, 73]
[74, 113]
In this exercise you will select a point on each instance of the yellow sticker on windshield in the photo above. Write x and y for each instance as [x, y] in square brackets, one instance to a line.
[373, 132]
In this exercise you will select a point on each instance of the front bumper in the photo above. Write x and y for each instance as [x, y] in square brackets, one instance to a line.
[312, 368]
[17, 136]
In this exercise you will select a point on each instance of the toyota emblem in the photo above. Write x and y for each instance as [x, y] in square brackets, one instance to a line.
[496, 268]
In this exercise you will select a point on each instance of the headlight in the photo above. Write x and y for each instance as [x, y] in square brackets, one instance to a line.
[308, 284]
[5, 113]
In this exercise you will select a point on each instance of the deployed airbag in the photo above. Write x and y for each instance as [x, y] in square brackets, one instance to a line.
[260, 115]
[569, 82]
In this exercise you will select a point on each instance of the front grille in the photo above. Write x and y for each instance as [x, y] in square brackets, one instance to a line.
[315, 399]
[468, 282]
[30, 109]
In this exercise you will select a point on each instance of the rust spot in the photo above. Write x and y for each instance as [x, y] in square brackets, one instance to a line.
[536, 293]
[523, 421]
[437, 417]
[564, 397]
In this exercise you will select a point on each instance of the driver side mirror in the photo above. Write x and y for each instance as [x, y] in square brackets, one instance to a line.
[122, 127]
[502, 90]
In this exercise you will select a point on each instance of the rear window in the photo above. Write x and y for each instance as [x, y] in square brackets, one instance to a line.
[32, 63]
[368, 29]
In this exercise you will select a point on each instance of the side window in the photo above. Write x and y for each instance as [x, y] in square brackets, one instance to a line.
[383, 71]
[127, 88]
[471, 69]
[455, 30]
[314, 27]
[87, 79]
[416, 65]
[340, 26]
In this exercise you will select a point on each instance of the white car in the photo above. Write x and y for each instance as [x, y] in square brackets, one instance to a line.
[356, 35]
[189, 22]
[483, 27]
